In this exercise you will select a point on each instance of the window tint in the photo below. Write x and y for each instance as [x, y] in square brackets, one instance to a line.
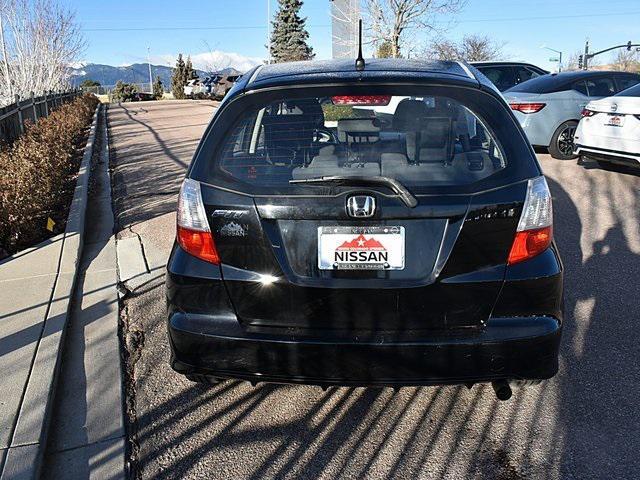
[420, 141]
[501, 77]
[600, 87]
[630, 92]
[523, 74]
[580, 87]
[625, 81]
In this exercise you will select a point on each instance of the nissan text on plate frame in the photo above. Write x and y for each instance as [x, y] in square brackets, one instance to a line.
[389, 227]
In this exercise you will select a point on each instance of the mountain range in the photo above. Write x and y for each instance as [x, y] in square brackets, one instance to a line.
[108, 75]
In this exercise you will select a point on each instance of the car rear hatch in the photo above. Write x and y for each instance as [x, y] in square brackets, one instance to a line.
[357, 256]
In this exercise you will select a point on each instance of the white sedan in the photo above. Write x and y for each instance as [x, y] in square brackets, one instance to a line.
[609, 131]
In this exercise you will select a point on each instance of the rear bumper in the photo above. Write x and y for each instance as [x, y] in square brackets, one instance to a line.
[507, 348]
[608, 155]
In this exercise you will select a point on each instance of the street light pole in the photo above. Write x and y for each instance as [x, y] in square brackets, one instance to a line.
[268, 31]
[149, 63]
[559, 56]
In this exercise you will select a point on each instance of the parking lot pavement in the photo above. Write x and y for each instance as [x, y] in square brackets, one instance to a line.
[581, 424]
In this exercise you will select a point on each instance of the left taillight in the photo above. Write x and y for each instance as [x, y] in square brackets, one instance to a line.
[528, 107]
[193, 232]
[535, 229]
[587, 113]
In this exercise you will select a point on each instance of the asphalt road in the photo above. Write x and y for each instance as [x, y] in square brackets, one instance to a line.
[582, 424]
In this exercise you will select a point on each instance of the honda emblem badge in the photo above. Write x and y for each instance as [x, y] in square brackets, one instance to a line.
[361, 206]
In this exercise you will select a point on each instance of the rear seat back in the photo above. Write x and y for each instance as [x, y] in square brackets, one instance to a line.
[436, 141]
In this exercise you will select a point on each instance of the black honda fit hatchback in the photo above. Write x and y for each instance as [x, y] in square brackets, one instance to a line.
[383, 227]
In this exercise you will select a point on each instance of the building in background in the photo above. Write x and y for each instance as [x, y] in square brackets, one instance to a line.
[344, 28]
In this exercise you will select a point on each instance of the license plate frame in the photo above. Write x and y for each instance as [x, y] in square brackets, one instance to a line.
[379, 247]
[615, 121]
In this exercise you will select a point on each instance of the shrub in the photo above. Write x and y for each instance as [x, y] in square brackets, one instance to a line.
[37, 174]
[124, 92]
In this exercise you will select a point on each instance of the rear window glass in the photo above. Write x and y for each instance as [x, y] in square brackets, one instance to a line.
[601, 87]
[630, 92]
[419, 141]
[541, 84]
[501, 77]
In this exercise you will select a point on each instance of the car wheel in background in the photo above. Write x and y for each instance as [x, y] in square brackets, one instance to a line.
[562, 141]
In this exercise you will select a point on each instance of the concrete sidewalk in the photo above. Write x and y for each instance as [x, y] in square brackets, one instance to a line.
[87, 435]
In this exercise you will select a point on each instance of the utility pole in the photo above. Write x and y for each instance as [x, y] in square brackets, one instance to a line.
[268, 31]
[585, 59]
[149, 63]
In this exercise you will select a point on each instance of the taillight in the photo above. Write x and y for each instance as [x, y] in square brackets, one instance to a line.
[193, 232]
[587, 113]
[535, 229]
[527, 107]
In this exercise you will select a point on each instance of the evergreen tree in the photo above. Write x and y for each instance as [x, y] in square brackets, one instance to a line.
[190, 73]
[158, 88]
[289, 36]
[179, 78]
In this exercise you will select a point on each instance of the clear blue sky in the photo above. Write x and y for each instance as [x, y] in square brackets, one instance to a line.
[239, 27]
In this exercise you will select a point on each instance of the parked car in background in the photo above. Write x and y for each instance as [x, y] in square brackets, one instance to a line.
[549, 107]
[223, 84]
[142, 97]
[609, 131]
[191, 86]
[505, 75]
[411, 247]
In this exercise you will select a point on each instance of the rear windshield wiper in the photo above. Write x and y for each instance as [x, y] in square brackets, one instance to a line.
[356, 181]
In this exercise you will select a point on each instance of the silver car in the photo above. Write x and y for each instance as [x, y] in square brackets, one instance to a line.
[549, 107]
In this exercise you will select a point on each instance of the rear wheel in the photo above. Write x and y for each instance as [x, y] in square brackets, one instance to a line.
[203, 379]
[561, 146]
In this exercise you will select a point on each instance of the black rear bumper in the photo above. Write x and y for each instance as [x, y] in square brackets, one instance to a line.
[507, 348]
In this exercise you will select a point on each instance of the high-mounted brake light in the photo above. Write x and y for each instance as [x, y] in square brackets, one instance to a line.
[364, 100]
[193, 232]
[587, 113]
[527, 107]
[535, 229]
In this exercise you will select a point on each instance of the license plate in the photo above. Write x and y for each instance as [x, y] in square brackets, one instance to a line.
[361, 248]
[615, 120]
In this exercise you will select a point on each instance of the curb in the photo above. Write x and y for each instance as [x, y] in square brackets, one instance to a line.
[25, 455]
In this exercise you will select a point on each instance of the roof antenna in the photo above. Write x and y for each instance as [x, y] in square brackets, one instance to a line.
[360, 60]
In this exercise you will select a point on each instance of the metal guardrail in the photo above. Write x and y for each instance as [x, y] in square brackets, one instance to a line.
[14, 117]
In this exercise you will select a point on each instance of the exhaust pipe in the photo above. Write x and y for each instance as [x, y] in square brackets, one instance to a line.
[502, 389]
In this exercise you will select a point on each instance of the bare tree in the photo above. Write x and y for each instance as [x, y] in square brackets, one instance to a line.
[626, 61]
[472, 48]
[478, 48]
[443, 49]
[391, 20]
[40, 39]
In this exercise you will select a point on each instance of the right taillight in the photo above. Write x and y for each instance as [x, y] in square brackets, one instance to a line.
[527, 107]
[535, 229]
[193, 232]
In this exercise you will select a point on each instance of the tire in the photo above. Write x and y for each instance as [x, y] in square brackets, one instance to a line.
[203, 379]
[561, 146]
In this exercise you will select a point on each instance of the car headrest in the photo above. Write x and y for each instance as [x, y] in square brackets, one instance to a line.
[358, 129]
[407, 114]
[435, 132]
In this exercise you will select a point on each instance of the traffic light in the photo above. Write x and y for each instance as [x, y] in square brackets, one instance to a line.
[629, 46]
[580, 61]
